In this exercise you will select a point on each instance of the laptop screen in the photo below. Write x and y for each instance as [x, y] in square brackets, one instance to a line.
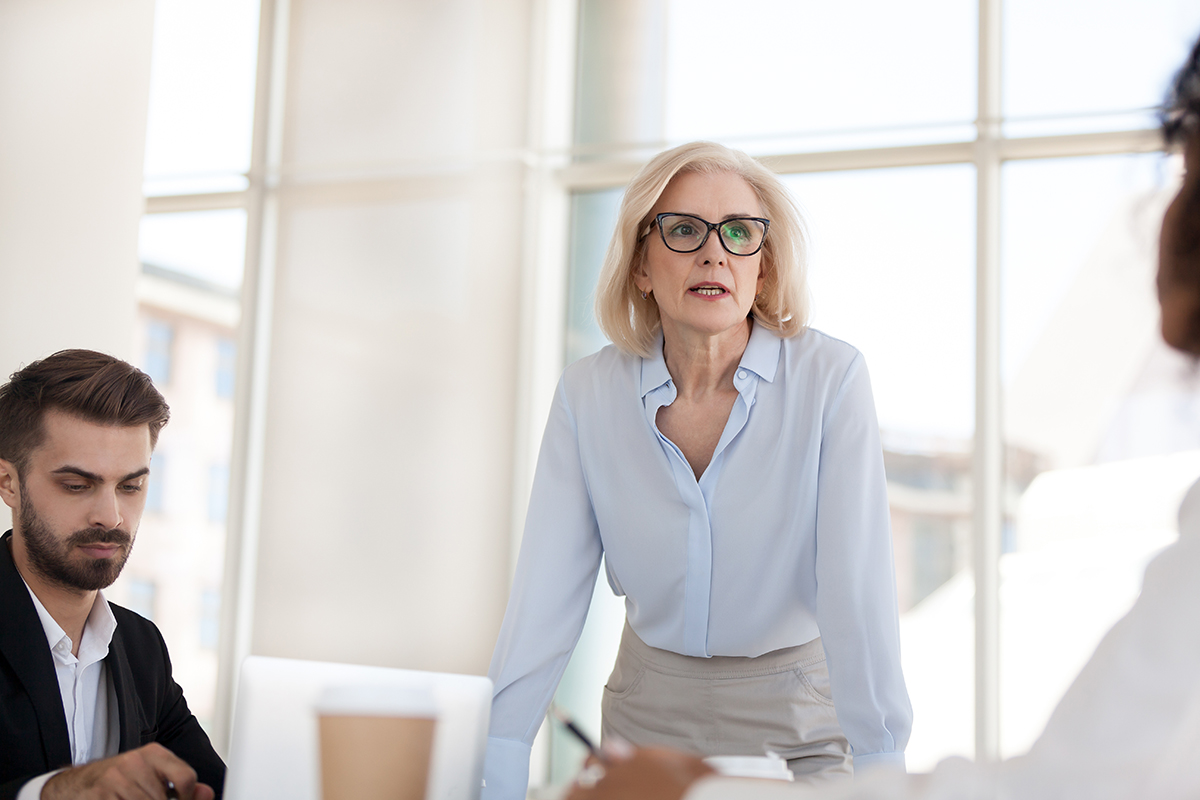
[273, 749]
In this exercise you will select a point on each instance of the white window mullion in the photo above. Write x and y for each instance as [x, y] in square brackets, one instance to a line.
[988, 463]
[246, 462]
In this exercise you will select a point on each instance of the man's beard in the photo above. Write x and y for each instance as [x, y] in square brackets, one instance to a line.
[50, 558]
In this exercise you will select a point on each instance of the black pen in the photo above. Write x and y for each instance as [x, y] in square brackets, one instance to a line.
[570, 725]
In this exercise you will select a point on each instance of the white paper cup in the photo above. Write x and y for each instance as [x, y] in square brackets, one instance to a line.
[769, 767]
[376, 742]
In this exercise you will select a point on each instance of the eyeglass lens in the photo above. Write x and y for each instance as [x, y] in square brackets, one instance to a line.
[684, 233]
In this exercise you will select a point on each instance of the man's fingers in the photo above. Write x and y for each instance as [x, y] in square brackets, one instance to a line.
[142, 774]
[172, 775]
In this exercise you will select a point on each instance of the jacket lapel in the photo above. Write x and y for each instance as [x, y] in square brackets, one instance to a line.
[127, 699]
[23, 645]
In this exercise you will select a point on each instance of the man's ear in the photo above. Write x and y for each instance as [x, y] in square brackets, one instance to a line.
[10, 484]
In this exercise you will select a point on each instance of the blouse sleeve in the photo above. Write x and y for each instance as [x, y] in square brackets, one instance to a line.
[552, 590]
[856, 585]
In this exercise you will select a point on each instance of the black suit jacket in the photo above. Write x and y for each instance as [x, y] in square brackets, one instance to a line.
[33, 726]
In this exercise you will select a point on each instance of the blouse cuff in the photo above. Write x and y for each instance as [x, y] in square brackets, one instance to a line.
[870, 762]
[505, 770]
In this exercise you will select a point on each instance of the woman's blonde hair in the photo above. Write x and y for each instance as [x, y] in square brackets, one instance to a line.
[632, 323]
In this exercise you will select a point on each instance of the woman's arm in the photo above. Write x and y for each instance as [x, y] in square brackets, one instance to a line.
[856, 584]
[556, 573]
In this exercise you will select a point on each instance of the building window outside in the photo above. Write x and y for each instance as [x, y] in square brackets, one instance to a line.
[218, 493]
[160, 336]
[226, 367]
[140, 596]
[198, 137]
[156, 485]
[210, 618]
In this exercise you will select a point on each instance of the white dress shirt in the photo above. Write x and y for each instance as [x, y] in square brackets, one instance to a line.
[793, 499]
[86, 690]
[1127, 729]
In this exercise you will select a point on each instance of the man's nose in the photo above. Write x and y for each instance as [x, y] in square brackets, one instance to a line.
[105, 511]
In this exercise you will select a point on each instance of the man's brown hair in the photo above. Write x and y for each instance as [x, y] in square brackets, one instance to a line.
[90, 385]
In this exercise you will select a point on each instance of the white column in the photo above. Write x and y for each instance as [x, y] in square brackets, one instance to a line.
[74, 91]
[988, 468]
[387, 450]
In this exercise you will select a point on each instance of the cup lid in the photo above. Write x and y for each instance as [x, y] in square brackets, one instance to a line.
[770, 766]
[377, 701]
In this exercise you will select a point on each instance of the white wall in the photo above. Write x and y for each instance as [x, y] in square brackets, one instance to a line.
[386, 503]
[74, 85]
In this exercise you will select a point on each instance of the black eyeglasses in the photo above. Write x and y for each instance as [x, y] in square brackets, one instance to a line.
[684, 233]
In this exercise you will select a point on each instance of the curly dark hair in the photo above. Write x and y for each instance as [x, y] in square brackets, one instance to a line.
[1180, 114]
[87, 384]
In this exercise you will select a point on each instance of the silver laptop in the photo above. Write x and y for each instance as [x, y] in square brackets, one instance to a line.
[273, 745]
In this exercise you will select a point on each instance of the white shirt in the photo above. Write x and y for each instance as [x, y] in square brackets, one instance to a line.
[1127, 729]
[793, 498]
[86, 690]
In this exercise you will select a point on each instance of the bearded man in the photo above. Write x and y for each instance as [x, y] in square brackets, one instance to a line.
[88, 707]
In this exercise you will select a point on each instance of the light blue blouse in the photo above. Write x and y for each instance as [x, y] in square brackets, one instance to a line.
[784, 538]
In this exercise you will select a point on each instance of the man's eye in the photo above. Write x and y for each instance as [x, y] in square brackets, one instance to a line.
[74, 487]
[132, 488]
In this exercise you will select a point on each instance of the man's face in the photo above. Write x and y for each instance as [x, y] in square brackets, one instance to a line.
[78, 501]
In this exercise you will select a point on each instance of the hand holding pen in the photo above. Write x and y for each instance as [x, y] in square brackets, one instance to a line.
[599, 757]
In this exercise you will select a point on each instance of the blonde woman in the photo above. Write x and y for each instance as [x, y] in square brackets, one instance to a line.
[725, 461]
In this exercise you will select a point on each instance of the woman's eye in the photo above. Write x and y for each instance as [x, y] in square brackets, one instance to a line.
[683, 229]
[737, 232]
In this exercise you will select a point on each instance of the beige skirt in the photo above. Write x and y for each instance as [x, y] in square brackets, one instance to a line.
[729, 706]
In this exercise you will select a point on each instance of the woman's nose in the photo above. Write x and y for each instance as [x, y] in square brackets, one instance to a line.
[711, 252]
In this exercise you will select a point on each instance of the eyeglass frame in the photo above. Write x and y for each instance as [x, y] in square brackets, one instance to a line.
[712, 226]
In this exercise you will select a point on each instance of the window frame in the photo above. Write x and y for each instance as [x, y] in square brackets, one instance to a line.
[552, 175]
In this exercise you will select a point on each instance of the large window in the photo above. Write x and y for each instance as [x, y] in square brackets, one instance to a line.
[192, 248]
[990, 251]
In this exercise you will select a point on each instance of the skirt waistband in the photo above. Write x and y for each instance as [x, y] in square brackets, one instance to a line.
[718, 667]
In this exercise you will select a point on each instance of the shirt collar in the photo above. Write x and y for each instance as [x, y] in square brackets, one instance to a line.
[760, 357]
[762, 353]
[97, 631]
[654, 367]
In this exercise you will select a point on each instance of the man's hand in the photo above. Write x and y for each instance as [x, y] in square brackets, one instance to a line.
[648, 774]
[133, 775]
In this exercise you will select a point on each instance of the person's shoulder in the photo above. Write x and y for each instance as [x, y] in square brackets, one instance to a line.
[815, 348]
[608, 366]
[135, 630]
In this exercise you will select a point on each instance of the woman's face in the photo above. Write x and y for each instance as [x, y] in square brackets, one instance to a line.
[1179, 259]
[708, 292]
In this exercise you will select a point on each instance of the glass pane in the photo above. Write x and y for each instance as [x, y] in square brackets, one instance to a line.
[188, 315]
[201, 96]
[1076, 66]
[893, 273]
[1102, 422]
[593, 218]
[811, 75]
[206, 246]
[904, 295]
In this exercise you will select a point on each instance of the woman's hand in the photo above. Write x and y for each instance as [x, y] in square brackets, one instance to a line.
[647, 774]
